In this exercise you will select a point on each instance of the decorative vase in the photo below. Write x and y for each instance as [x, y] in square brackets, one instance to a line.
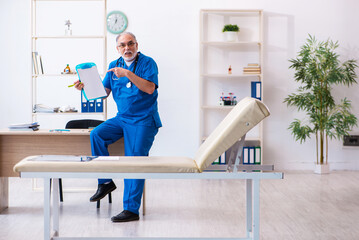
[230, 36]
[321, 169]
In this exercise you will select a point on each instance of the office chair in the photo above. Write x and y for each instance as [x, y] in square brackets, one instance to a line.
[82, 124]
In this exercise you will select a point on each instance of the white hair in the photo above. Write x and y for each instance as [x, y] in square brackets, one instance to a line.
[126, 33]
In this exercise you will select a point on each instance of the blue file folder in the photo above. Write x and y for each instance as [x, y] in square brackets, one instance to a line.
[256, 90]
[251, 155]
[92, 106]
[245, 155]
[84, 104]
[222, 158]
[99, 105]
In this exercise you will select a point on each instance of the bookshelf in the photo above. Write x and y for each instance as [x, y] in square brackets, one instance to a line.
[86, 43]
[217, 55]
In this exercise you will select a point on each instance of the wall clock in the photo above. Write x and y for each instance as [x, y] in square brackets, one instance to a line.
[116, 22]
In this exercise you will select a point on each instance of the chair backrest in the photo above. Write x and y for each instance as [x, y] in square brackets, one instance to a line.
[83, 123]
[242, 118]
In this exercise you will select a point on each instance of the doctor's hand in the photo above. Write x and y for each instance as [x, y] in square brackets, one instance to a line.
[118, 71]
[78, 85]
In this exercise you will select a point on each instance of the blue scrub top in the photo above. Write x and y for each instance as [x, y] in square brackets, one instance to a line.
[133, 105]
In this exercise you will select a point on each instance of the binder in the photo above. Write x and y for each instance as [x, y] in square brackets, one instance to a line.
[99, 105]
[245, 155]
[84, 104]
[251, 155]
[256, 90]
[257, 155]
[216, 162]
[92, 105]
[222, 158]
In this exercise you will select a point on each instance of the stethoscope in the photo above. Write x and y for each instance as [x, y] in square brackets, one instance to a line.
[120, 60]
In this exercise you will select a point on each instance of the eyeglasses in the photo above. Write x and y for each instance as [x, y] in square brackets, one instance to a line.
[129, 44]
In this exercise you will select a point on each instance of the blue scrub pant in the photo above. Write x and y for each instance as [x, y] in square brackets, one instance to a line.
[138, 141]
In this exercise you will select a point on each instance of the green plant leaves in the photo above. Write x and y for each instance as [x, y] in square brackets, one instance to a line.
[230, 28]
[299, 131]
[318, 69]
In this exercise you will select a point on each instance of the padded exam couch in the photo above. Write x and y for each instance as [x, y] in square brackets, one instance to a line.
[242, 118]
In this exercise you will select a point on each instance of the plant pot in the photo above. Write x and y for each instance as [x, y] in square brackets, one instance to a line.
[321, 169]
[230, 36]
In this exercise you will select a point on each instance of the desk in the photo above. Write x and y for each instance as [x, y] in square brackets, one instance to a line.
[16, 145]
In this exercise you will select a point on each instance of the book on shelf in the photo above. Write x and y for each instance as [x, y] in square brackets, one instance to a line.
[41, 68]
[252, 68]
[37, 63]
[34, 62]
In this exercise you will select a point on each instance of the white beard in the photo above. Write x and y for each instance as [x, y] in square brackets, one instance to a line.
[129, 59]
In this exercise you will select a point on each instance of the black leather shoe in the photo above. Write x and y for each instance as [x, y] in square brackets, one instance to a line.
[102, 191]
[125, 216]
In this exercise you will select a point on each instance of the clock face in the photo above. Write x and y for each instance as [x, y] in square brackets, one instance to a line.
[116, 22]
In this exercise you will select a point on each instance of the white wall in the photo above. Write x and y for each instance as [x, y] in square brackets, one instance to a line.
[168, 32]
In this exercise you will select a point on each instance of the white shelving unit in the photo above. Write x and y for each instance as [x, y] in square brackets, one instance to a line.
[216, 55]
[58, 49]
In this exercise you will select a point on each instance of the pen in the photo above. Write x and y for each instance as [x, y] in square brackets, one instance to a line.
[59, 130]
[73, 84]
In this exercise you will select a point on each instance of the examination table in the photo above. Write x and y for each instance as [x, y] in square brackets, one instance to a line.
[232, 130]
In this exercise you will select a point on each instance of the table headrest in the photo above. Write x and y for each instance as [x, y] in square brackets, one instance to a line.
[242, 118]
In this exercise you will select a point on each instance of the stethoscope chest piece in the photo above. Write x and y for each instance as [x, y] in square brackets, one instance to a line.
[129, 84]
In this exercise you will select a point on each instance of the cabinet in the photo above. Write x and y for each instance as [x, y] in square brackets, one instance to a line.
[57, 47]
[217, 55]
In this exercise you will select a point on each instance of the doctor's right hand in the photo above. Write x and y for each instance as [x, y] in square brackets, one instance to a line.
[78, 85]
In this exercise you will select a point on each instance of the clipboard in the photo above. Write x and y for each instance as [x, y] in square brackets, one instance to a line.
[93, 87]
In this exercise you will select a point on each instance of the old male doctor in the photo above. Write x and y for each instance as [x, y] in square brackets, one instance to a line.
[133, 80]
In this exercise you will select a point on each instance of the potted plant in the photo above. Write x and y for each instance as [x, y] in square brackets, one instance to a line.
[317, 68]
[230, 32]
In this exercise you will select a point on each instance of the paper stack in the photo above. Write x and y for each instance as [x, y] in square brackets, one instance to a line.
[41, 108]
[24, 127]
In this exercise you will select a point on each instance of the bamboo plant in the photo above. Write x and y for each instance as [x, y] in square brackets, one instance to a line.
[317, 68]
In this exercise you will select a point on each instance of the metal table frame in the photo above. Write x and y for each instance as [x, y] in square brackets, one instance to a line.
[252, 196]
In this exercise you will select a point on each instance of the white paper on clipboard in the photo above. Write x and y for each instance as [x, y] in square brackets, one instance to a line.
[93, 86]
